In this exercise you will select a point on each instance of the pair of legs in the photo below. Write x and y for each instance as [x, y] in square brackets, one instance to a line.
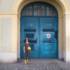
[27, 57]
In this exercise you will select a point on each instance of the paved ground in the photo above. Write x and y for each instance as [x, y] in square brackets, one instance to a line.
[36, 65]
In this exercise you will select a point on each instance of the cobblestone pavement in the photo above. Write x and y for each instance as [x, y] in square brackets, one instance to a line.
[38, 64]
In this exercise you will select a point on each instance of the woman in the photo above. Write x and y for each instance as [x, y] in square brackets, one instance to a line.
[27, 50]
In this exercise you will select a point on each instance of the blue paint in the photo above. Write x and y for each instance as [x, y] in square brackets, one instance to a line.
[42, 32]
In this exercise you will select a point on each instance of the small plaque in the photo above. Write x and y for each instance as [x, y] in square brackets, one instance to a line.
[48, 35]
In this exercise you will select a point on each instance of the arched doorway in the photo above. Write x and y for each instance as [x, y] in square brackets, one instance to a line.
[39, 22]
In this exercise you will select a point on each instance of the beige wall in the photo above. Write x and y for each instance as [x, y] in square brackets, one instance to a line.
[8, 37]
[9, 27]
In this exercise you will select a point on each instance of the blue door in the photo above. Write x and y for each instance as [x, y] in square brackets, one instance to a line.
[48, 39]
[39, 22]
[30, 29]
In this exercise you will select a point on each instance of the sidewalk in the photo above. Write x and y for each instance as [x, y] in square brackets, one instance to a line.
[36, 65]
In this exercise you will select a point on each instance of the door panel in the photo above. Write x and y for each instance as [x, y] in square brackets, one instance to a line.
[29, 28]
[48, 41]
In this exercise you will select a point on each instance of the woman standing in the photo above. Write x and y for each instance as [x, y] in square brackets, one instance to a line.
[27, 50]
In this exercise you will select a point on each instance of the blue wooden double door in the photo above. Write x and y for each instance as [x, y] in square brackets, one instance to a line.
[43, 36]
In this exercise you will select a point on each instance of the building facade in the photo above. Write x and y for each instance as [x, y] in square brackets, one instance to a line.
[48, 23]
